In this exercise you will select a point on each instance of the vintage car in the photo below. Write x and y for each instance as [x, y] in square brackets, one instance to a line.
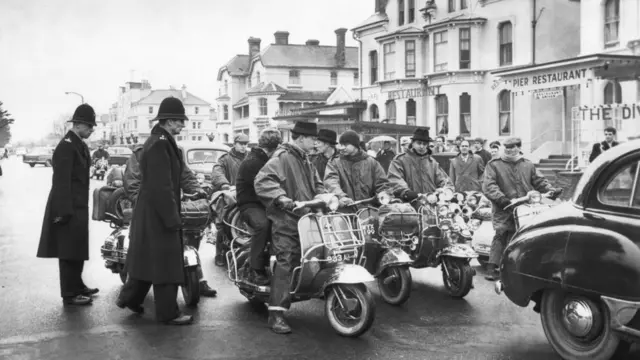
[580, 261]
[118, 155]
[39, 155]
[200, 156]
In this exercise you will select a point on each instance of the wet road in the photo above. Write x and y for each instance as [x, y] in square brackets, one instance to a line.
[35, 325]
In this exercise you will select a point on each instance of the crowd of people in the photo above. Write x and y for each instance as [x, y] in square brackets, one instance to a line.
[268, 179]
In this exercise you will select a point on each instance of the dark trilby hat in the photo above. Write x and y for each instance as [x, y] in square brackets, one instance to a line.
[421, 134]
[305, 128]
[171, 108]
[328, 136]
[84, 114]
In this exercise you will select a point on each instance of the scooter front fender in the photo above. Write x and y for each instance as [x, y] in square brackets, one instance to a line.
[341, 274]
[191, 257]
[392, 257]
[459, 251]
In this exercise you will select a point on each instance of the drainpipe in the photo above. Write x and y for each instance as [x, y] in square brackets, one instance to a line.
[534, 22]
[356, 38]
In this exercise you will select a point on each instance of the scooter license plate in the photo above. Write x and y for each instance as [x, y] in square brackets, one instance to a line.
[342, 257]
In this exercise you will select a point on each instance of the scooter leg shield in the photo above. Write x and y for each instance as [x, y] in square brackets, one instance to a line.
[341, 274]
[392, 257]
[459, 251]
[191, 257]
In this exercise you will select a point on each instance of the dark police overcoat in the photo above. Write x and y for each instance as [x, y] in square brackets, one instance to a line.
[155, 247]
[69, 197]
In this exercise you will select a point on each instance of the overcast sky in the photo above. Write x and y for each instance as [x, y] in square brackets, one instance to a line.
[89, 46]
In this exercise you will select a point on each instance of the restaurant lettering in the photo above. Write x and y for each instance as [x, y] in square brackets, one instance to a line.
[549, 78]
[623, 112]
[413, 93]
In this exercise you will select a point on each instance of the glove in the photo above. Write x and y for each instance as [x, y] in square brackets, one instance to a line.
[285, 203]
[345, 201]
[503, 202]
[410, 195]
[225, 187]
[62, 219]
[556, 192]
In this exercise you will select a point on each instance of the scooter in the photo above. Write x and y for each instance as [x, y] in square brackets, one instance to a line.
[526, 207]
[99, 169]
[387, 250]
[330, 267]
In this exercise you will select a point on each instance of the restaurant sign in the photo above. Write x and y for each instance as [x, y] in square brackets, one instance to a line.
[606, 112]
[413, 93]
[550, 79]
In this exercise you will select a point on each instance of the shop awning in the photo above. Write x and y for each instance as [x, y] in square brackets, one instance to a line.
[380, 128]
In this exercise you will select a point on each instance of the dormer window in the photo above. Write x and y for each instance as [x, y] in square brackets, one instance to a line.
[334, 78]
[294, 77]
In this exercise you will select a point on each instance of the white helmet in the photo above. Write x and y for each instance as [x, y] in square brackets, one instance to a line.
[405, 140]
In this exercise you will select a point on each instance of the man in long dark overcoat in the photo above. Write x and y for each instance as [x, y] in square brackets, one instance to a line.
[65, 228]
[155, 248]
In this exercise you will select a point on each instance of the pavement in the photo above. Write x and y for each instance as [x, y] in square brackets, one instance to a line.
[35, 325]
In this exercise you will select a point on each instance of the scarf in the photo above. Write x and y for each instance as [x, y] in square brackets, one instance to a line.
[511, 158]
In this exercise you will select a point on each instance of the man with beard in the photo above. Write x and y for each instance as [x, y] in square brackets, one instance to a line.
[253, 211]
[188, 183]
[385, 155]
[155, 255]
[65, 228]
[354, 175]
[466, 169]
[416, 172]
[479, 149]
[608, 143]
[287, 177]
[326, 150]
[223, 175]
[507, 178]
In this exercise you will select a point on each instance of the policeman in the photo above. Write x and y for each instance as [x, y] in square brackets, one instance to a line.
[65, 228]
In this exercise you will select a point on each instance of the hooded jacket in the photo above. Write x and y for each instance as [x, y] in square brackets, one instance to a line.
[357, 177]
[420, 173]
[226, 170]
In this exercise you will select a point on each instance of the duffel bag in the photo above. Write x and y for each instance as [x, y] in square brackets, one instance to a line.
[195, 214]
[396, 218]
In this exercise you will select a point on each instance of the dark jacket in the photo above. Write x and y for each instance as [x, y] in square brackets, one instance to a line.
[358, 177]
[485, 155]
[599, 148]
[467, 176]
[384, 157]
[69, 197]
[155, 248]
[422, 174]
[131, 180]
[246, 196]
[226, 170]
[320, 161]
[503, 181]
[98, 154]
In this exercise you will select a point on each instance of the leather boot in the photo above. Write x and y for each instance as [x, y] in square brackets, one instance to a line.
[138, 309]
[181, 319]
[258, 277]
[278, 323]
[220, 260]
[206, 290]
[494, 273]
[77, 300]
[86, 291]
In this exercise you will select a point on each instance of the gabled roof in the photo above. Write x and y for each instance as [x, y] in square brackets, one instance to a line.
[411, 30]
[237, 66]
[268, 88]
[156, 97]
[456, 19]
[242, 102]
[306, 56]
[305, 96]
[375, 19]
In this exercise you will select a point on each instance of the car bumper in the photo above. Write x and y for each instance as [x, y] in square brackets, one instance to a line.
[622, 313]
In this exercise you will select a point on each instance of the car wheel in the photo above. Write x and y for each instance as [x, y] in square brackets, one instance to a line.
[32, 164]
[578, 327]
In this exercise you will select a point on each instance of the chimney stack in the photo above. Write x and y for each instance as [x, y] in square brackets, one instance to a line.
[184, 91]
[340, 47]
[282, 37]
[312, 42]
[254, 47]
[381, 6]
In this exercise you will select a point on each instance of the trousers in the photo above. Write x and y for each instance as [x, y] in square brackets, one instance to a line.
[256, 218]
[286, 246]
[500, 241]
[71, 283]
[134, 292]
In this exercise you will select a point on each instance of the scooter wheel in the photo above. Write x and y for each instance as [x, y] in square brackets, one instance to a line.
[395, 285]
[460, 279]
[359, 312]
[191, 287]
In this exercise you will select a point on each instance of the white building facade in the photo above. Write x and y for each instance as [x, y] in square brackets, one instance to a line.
[138, 104]
[429, 63]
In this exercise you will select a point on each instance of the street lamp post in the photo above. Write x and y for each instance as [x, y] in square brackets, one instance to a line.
[75, 93]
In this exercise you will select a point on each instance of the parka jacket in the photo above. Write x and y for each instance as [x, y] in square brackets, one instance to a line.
[320, 161]
[467, 175]
[357, 177]
[225, 171]
[504, 181]
[68, 198]
[420, 173]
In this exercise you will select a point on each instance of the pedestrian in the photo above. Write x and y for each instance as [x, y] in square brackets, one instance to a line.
[155, 255]
[405, 142]
[466, 169]
[65, 227]
[385, 156]
[441, 145]
[609, 142]
[326, 150]
[479, 149]
[494, 148]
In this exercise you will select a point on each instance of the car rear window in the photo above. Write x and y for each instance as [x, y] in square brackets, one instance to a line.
[207, 156]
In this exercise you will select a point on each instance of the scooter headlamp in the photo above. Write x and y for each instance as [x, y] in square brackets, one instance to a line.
[384, 198]
[333, 203]
[432, 199]
[446, 195]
